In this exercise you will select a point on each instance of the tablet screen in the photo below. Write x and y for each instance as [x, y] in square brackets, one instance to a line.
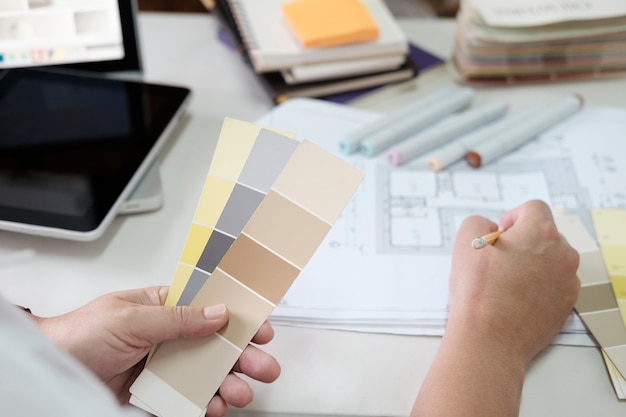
[70, 145]
[95, 35]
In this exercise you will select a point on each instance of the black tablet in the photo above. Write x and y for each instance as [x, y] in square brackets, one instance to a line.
[74, 146]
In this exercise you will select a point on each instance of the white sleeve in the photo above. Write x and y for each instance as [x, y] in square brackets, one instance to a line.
[37, 378]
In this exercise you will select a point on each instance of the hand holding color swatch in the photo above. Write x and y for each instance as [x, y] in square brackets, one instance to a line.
[265, 208]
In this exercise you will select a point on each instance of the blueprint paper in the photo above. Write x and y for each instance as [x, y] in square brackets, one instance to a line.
[389, 253]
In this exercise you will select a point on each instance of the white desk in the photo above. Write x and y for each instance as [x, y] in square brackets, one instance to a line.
[323, 371]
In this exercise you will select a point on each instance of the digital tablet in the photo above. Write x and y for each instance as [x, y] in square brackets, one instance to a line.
[73, 147]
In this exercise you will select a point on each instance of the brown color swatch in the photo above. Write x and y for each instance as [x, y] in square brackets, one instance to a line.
[259, 269]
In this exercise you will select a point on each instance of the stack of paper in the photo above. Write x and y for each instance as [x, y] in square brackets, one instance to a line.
[313, 48]
[535, 40]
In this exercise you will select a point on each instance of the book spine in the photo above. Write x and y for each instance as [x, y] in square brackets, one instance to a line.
[241, 20]
[224, 15]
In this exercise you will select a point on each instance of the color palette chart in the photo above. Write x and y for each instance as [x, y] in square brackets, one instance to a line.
[610, 227]
[602, 272]
[266, 205]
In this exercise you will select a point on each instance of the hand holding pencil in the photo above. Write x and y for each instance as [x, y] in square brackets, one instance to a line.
[520, 294]
[506, 306]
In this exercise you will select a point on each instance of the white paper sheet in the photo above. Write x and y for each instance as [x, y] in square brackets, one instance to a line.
[384, 266]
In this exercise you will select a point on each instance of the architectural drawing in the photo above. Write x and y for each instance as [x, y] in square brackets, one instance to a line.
[420, 211]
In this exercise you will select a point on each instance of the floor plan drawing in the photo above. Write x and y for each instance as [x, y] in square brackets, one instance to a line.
[421, 210]
[385, 263]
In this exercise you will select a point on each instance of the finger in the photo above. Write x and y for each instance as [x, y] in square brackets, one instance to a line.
[264, 335]
[258, 365]
[235, 391]
[217, 407]
[149, 296]
[536, 210]
[160, 323]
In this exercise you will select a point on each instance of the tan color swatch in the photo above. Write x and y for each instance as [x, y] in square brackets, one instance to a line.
[247, 311]
[288, 229]
[318, 181]
[189, 365]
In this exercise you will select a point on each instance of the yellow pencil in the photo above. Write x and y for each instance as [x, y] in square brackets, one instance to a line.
[488, 239]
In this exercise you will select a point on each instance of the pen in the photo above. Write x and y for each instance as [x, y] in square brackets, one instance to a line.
[350, 143]
[446, 130]
[497, 146]
[488, 239]
[456, 150]
[411, 123]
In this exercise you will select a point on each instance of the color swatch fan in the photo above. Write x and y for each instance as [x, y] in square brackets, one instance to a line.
[601, 302]
[265, 208]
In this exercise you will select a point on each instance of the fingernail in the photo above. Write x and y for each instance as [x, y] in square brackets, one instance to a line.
[214, 312]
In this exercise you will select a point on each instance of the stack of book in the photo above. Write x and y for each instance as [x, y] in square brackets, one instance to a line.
[289, 68]
[537, 40]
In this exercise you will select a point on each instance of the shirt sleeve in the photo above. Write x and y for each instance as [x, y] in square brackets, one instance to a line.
[37, 378]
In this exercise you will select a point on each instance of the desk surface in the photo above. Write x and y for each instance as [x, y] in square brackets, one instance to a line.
[323, 371]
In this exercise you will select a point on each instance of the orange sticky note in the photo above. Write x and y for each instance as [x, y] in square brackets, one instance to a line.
[321, 23]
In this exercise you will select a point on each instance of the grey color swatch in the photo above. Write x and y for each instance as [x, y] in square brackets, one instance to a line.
[196, 281]
[214, 251]
[267, 159]
[241, 205]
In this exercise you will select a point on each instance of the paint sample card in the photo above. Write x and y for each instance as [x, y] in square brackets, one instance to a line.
[227, 201]
[596, 304]
[610, 226]
[617, 379]
[266, 206]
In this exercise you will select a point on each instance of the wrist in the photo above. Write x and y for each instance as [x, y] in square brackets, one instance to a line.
[487, 341]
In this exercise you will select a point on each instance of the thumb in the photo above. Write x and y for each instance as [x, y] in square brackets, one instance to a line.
[161, 323]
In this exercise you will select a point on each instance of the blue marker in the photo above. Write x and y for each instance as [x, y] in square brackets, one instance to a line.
[351, 142]
[456, 150]
[412, 123]
[446, 130]
[491, 149]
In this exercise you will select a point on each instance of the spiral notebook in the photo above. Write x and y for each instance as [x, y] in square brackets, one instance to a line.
[272, 47]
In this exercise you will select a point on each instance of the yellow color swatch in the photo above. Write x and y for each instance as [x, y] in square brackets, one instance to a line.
[181, 278]
[197, 239]
[215, 195]
[231, 155]
[615, 259]
[323, 23]
[610, 225]
[619, 286]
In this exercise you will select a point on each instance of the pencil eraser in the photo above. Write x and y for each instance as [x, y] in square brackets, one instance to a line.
[473, 159]
[395, 157]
